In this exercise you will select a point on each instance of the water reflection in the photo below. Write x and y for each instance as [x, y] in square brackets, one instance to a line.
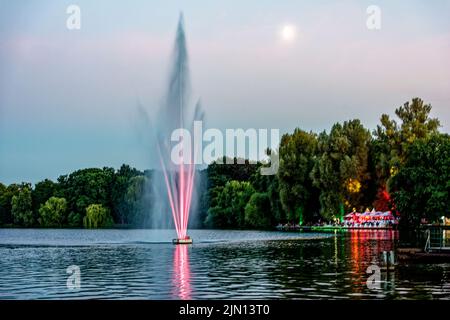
[304, 268]
[181, 278]
[366, 247]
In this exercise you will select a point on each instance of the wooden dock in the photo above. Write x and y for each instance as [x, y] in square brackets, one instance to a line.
[435, 250]
[417, 255]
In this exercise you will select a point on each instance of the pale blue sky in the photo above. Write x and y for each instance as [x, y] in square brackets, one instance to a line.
[68, 98]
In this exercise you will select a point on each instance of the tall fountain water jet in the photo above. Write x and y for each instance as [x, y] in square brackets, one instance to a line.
[177, 113]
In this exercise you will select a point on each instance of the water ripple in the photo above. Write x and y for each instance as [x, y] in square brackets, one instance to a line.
[136, 264]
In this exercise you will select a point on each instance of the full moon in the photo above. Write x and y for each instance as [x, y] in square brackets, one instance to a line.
[288, 33]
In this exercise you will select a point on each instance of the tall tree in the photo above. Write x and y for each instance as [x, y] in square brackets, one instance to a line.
[392, 140]
[22, 207]
[97, 216]
[269, 186]
[138, 201]
[42, 191]
[341, 169]
[122, 179]
[3, 208]
[52, 213]
[421, 188]
[217, 175]
[85, 187]
[297, 157]
[6, 195]
[257, 211]
[229, 205]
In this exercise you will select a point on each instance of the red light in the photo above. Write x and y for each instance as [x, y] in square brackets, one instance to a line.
[182, 273]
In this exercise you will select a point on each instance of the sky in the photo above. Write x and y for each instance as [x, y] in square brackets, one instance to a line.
[68, 98]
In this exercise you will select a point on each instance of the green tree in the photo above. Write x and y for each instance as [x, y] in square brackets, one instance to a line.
[3, 208]
[341, 170]
[230, 202]
[269, 185]
[257, 211]
[138, 201]
[6, 195]
[52, 213]
[421, 188]
[415, 124]
[297, 158]
[42, 191]
[97, 217]
[22, 207]
[216, 176]
[230, 169]
[121, 183]
[85, 187]
[392, 140]
[75, 220]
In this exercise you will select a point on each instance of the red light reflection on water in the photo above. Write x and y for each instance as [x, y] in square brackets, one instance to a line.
[367, 244]
[366, 247]
[181, 278]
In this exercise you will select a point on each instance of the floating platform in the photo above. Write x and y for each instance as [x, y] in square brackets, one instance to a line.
[186, 240]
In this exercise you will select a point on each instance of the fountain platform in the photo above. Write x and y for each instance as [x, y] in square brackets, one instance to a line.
[185, 240]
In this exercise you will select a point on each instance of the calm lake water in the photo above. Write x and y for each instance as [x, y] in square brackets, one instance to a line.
[143, 264]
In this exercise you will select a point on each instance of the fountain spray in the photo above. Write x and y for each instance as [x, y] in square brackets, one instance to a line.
[175, 114]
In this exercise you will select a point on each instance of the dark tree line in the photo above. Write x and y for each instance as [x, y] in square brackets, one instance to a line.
[89, 197]
[401, 166]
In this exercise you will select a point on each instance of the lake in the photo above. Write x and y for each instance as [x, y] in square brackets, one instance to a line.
[144, 264]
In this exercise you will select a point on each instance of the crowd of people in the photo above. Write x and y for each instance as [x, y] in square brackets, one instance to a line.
[367, 219]
[370, 219]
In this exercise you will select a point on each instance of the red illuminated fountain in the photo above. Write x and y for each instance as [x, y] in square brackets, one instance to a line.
[179, 174]
[180, 197]
[179, 183]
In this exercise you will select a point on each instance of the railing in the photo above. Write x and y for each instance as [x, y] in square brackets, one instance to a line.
[428, 241]
[437, 238]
